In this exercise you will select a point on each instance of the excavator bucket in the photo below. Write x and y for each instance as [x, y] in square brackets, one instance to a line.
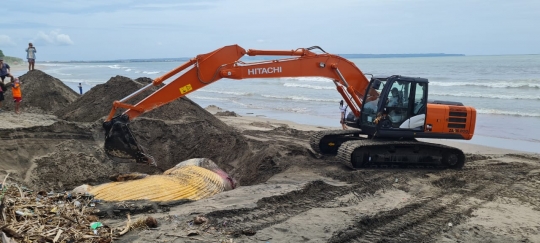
[121, 145]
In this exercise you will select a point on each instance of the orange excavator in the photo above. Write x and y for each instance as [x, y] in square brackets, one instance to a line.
[388, 112]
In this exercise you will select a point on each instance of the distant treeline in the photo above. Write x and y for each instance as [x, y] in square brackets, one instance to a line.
[399, 55]
[184, 59]
[10, 60]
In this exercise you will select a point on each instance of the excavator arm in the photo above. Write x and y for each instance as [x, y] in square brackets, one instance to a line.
[225, 63]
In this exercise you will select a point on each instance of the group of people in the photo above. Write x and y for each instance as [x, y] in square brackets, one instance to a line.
[15, 84]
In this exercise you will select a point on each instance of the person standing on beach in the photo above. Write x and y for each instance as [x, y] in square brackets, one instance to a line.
[80, 88]
[17, 96]
[31, 56]
[4, 71]
[343, 110]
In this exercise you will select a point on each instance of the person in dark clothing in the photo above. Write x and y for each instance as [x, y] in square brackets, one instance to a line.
[4, 70]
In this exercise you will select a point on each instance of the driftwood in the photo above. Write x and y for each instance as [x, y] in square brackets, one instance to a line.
[48, 217]
[28, 216]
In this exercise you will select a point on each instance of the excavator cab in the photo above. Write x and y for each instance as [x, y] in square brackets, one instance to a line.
[397, 108]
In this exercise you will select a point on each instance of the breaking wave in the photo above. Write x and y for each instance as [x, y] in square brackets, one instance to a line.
[507, 113]
[489, 96]
[516, 85]
[309, 79]
[226, 92]
[300, 98]
[307, 86]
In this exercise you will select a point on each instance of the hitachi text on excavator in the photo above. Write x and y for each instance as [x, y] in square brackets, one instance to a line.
[389, 112]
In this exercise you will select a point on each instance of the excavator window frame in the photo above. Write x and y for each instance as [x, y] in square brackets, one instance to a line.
[370, 128]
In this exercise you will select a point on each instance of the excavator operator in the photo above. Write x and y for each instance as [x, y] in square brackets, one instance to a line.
[395, 99]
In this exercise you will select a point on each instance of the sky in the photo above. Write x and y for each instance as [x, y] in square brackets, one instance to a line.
[71, 30]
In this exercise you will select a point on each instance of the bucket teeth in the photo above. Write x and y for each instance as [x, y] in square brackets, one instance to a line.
[121, 145]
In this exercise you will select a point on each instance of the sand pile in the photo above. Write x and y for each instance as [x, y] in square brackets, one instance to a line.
[97, 102]
[174, 132]
[41, 93]
[70, 152]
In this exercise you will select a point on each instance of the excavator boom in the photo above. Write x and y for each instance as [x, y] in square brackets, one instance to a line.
[224, 63]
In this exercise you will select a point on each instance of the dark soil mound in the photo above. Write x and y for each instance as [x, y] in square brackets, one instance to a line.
[41, 93]
[172, 133]
[97, 102]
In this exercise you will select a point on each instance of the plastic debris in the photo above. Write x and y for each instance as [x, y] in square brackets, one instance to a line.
[95, 225]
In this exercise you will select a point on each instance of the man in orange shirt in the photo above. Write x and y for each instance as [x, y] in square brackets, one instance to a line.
[17, 97]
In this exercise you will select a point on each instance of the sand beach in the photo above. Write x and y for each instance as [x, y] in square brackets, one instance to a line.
[286, 193]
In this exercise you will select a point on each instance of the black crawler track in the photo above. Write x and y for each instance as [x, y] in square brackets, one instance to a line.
[399, 154]
[328, 142]
[358, 152]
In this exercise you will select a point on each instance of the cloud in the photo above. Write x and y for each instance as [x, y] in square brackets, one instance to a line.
[6, 41]
[53, 38]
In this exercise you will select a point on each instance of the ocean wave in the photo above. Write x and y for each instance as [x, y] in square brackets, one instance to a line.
[115, 66]
[309, 79]
[308, 86]
[226, 92]
[54, 64]
[151, 72]
[507, 113]
[84, 81]
[488, 96]
[206, 98]
[288, 109]
[518, 85]
[301, 98]
[58, 72]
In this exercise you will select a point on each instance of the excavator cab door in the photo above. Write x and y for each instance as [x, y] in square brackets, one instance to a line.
[399, 109]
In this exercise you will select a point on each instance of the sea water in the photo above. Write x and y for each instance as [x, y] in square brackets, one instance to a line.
[505, 90]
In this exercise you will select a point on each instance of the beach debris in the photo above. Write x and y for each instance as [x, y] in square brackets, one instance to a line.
[227, 113]
[140, 223]
[95, 225]
[81, 190]
[192, 233]
[199, 220]
[6, 239]
[30, 216]
[151, 222]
